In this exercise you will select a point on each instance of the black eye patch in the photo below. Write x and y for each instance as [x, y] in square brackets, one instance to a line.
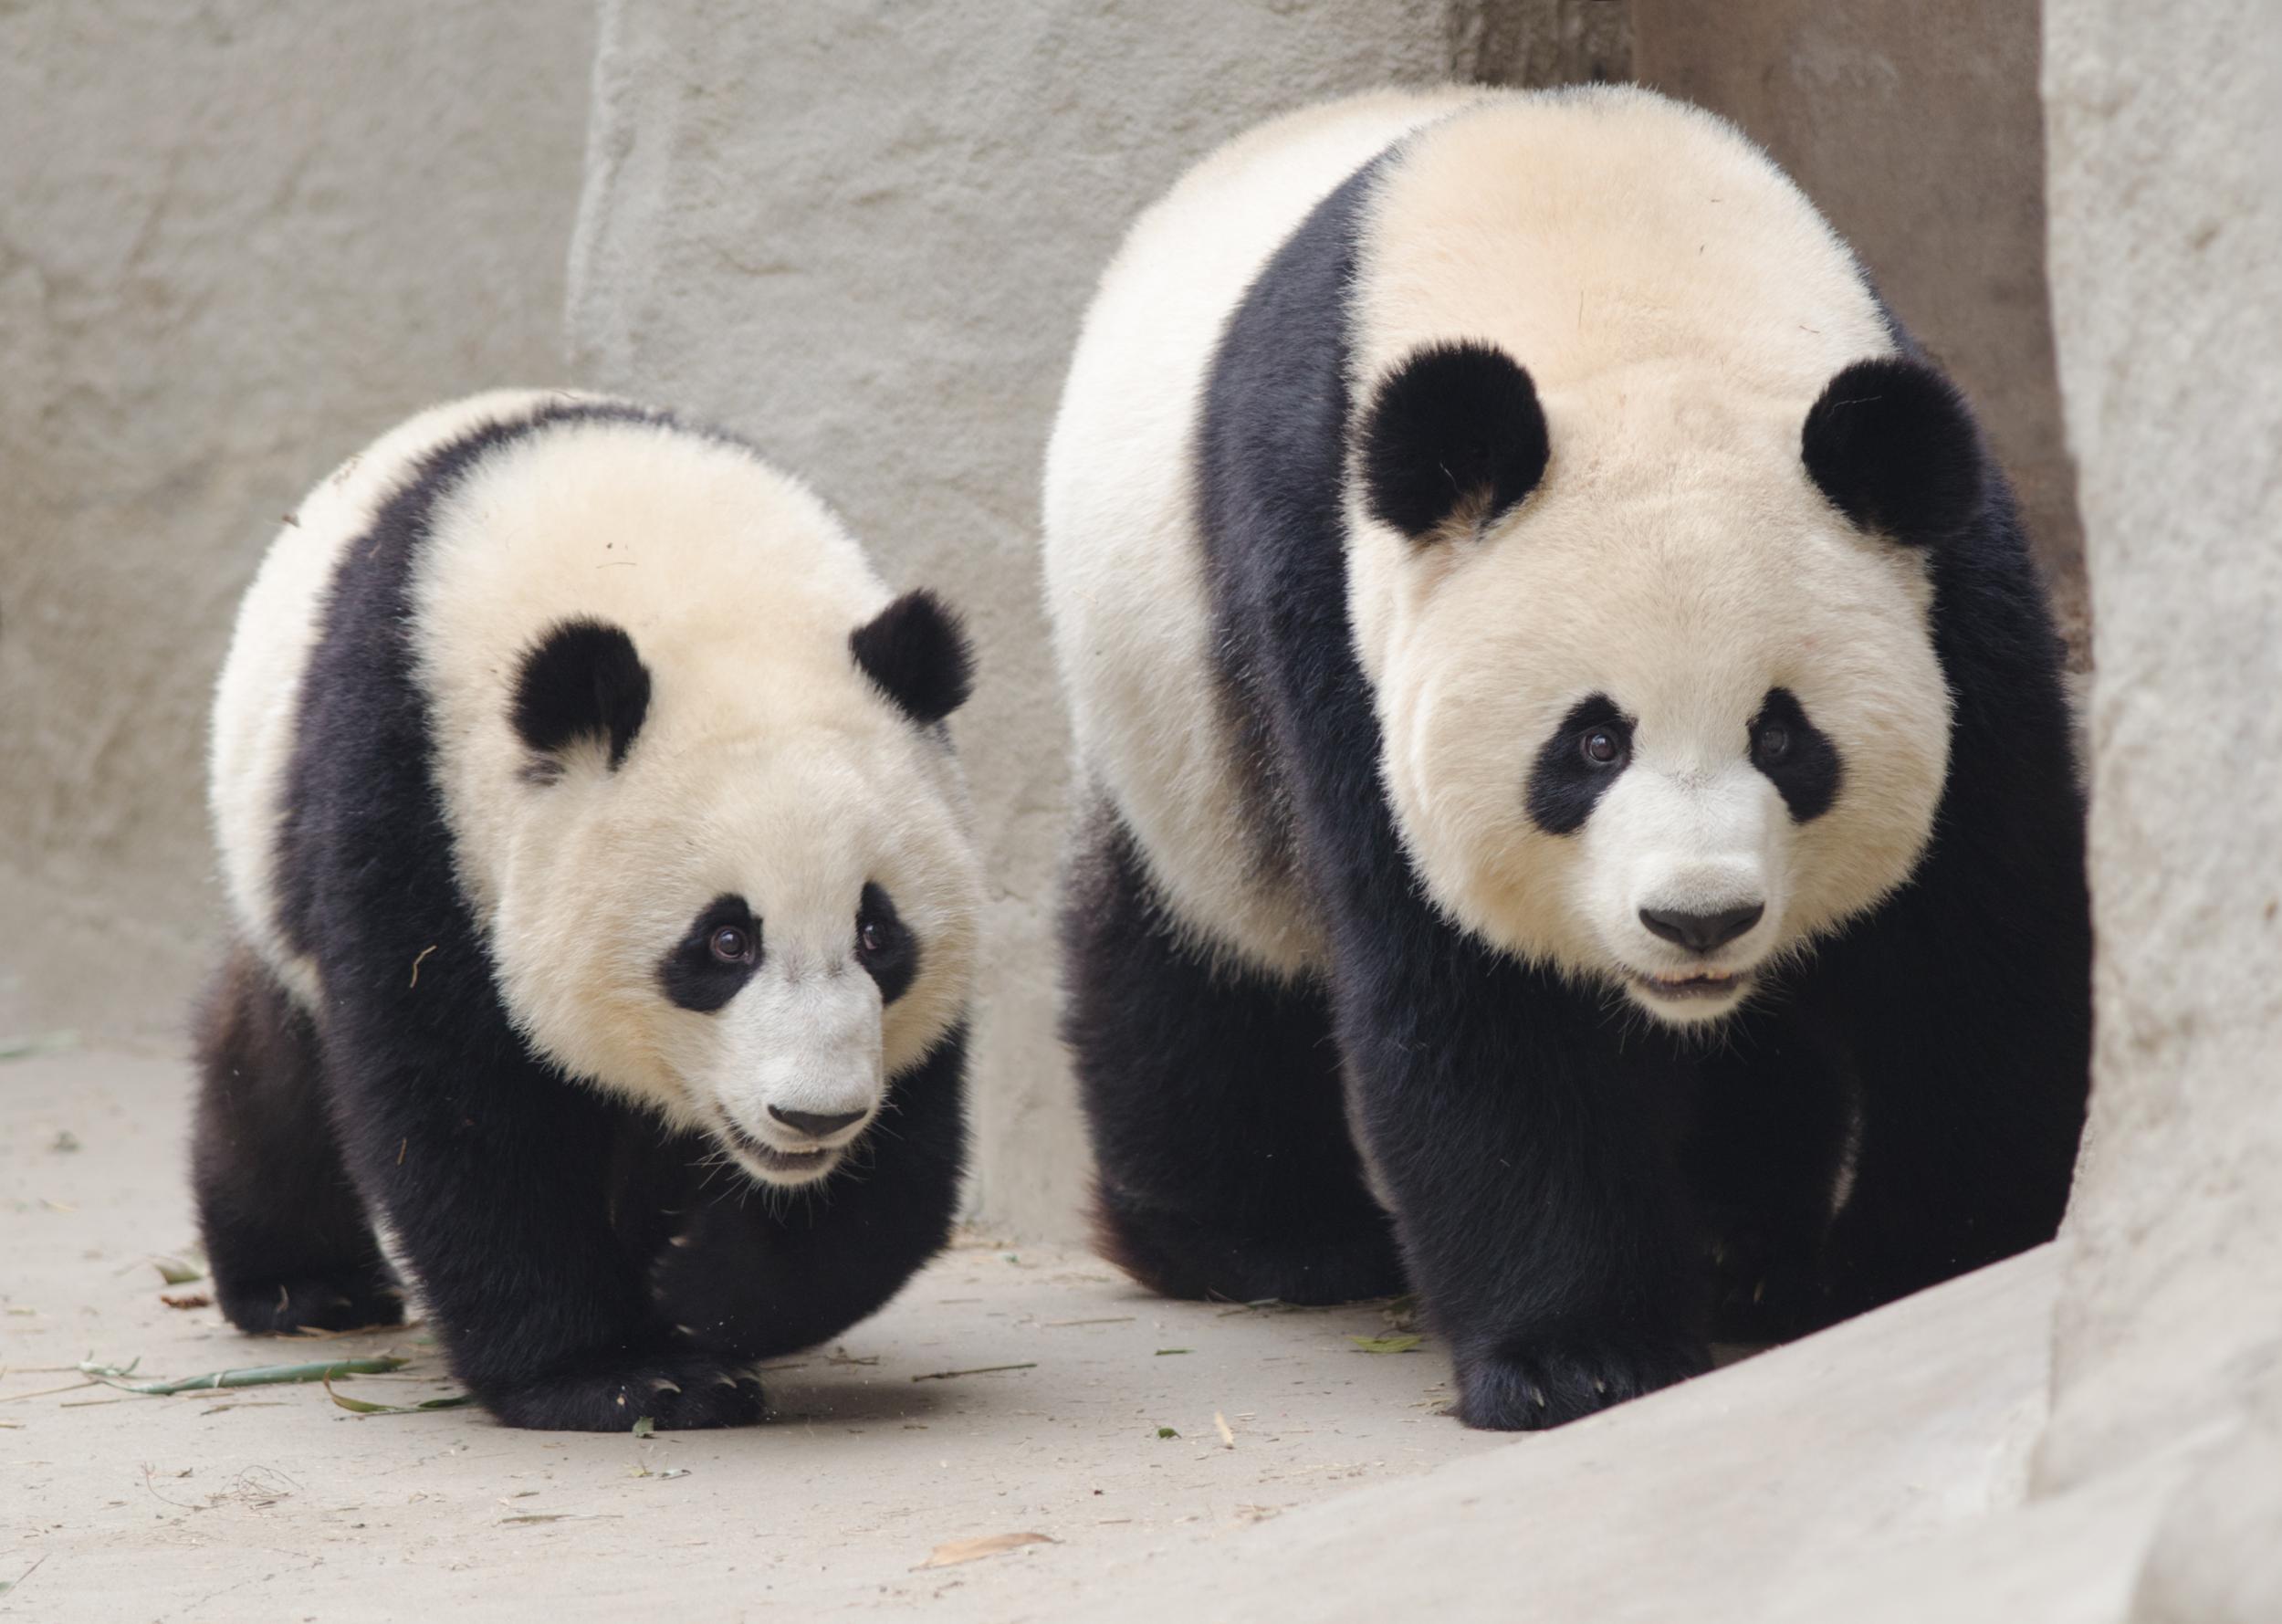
[885, 948]
[716, 957]
[1581, 758]
[1796, 756]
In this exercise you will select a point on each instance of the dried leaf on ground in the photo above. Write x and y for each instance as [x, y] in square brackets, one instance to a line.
[366, 1406]
[186, 1299]
[974, 1550]
[1386, 1345]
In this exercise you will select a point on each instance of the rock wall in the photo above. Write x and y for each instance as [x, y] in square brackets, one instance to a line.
[865, 236]
[236, 240]
[2164, 127]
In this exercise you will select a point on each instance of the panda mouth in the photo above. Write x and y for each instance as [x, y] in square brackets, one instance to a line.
[770, 1158]
[1704, 984]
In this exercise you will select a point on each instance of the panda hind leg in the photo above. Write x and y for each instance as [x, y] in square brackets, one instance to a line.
[286, 1237]
[1226, 1169]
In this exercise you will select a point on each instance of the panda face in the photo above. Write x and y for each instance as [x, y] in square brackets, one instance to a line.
[1664, 723]
[755, 940]
[689, 753]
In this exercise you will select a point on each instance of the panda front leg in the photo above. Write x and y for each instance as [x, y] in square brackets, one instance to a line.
[750, 1274]
[494, 1173]
[1225, 1165]
[1531, 1159]
[285, 1233]
[1966, 1004]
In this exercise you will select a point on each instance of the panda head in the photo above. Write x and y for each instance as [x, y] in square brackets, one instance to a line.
[738, 883]
[1653, 662]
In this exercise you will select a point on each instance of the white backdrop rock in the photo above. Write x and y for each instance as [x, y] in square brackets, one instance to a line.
[2164, 131]
[2166, 212]
[864, 234]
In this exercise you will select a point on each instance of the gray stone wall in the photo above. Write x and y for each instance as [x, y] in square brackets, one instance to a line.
[236, 241]
[2165, 132]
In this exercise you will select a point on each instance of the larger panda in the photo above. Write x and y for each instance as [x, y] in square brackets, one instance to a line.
[599, 866]
[1580, 810]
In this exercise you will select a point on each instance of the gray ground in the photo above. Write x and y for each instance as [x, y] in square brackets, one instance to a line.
[275, 1503]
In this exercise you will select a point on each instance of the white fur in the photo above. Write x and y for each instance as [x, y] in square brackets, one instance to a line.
[1125, 585]
[768, 766]
[258, 696]
[1678, 306]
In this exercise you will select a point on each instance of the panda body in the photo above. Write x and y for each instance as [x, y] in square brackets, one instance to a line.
[1573, 741]
[595, 852]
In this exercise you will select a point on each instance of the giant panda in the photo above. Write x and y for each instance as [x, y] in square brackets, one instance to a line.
[603, 898]
[1578, 809]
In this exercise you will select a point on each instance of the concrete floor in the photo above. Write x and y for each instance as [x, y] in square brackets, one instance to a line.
[275, 1503]
[1874, 1472]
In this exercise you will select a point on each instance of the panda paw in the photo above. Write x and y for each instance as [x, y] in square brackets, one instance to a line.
[1763, 1294]
[284, 1307]
[675, 1393]
[1532, 1388]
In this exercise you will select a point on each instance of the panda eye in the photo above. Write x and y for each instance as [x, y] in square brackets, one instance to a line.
[731, 944]
[874, 936]
[1774, 742]
[1601, 746]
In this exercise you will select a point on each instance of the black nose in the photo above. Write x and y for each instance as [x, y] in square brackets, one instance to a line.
[1701, 933]
[814, 1124]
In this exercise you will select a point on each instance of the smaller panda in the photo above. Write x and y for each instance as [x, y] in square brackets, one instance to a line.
[604, 897]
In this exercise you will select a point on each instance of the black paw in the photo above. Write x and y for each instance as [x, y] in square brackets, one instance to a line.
[1529, 1389]
[1761, 1294]
[707, 1282]
[675, 1393]
[282, 1307]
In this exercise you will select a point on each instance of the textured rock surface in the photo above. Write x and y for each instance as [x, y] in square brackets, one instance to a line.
[236, 240]
[1864, 1474]
[2165, 132]
[864, 235]
[2166, 147]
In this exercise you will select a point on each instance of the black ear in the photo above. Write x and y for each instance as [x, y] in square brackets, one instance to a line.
[1456, 430]
[1892, 445]
[915, 650]
[582, 679]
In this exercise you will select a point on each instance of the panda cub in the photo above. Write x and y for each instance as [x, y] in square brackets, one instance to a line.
[604, 903]
[1581, 817]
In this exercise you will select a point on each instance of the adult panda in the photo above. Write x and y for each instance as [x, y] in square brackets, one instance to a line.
[598, 865]
[1580, 810]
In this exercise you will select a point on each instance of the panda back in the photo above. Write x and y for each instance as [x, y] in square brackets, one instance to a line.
[1125, 573]
[257, 701]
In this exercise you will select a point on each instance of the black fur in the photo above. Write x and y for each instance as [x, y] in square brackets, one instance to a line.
[582, 680]
[1227, 1169]
[1806, 769]
[286, 1237]
[1580, 1201]
[894, 963]
[1454, 430]
[749, 1277]
[510, 1188]
[694, 976]
[1567, 784]
[916, 652]
[1892, 444]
